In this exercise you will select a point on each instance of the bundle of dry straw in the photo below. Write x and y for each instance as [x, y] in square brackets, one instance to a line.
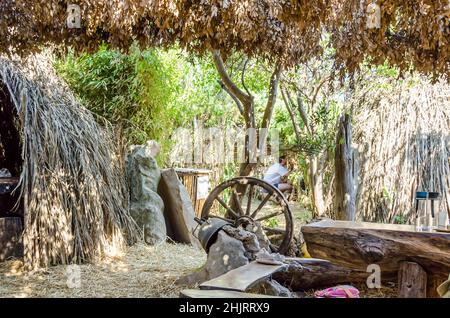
[72, 181]
[402, 135]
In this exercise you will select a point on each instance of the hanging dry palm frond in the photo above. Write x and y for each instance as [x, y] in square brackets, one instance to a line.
[404, 33]
[72, 179]
[402, 133]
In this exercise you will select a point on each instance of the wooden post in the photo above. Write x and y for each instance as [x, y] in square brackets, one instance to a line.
[10, 238]
[432, 284]
[412, 281]
[344, 203]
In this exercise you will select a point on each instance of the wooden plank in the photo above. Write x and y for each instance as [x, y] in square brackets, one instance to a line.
[242, 278]
[197, 293]
[199, 206]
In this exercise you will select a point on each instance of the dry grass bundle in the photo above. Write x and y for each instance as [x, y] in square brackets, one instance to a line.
[402, 132]
[72, 180]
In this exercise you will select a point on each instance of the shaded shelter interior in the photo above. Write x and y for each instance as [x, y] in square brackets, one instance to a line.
[10, 154]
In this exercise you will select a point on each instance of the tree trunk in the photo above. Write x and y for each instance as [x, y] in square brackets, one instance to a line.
[344, 204]
[245, 103]
[316, 180]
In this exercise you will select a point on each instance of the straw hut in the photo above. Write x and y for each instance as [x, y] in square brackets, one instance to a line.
[402, 136]
[72, 193]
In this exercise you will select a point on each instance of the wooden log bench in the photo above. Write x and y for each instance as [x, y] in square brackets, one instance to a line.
[421, 259]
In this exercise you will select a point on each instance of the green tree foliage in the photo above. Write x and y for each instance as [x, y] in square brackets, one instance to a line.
[151, 93]
[148, 93]
[129, 90]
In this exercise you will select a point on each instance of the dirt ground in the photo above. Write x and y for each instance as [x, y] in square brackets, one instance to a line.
[142, 271]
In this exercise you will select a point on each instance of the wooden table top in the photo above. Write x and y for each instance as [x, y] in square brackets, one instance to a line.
[370, 226]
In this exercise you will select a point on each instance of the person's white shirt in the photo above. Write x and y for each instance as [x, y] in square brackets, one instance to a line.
[274, 174]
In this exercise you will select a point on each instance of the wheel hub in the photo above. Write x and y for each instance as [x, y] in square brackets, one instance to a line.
[247, 223]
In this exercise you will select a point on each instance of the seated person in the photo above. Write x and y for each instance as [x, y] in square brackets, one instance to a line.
[276, 172]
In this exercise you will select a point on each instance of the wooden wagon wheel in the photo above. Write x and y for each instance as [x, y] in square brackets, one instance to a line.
[253, 203]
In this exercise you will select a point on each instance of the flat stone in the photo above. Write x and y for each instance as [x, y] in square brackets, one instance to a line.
[242, 278]
[271, 287]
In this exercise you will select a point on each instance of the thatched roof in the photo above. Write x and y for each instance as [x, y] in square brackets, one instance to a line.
[409, 33]
[72, 181]
[402, 133]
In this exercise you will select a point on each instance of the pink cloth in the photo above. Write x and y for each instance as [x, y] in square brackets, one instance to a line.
[341, 291]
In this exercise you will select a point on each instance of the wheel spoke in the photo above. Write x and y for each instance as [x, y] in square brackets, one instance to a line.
[236, 202]
[273, 231]
[269, 216]
[227, 207]
[261, 205]
[274, 247]
[249, 200]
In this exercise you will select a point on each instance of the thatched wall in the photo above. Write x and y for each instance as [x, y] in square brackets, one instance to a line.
[72, 179]
[402, 133]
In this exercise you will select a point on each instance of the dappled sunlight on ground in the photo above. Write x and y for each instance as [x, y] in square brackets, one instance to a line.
[143, 271]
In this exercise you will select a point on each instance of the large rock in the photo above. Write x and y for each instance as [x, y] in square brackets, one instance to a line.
[233, 248]
[178, 210]
[249, 240]
[225, 254]
[272, 288]
[146, 206]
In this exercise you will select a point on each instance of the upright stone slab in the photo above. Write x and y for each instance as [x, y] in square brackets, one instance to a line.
[146, 206]
[178, 210]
